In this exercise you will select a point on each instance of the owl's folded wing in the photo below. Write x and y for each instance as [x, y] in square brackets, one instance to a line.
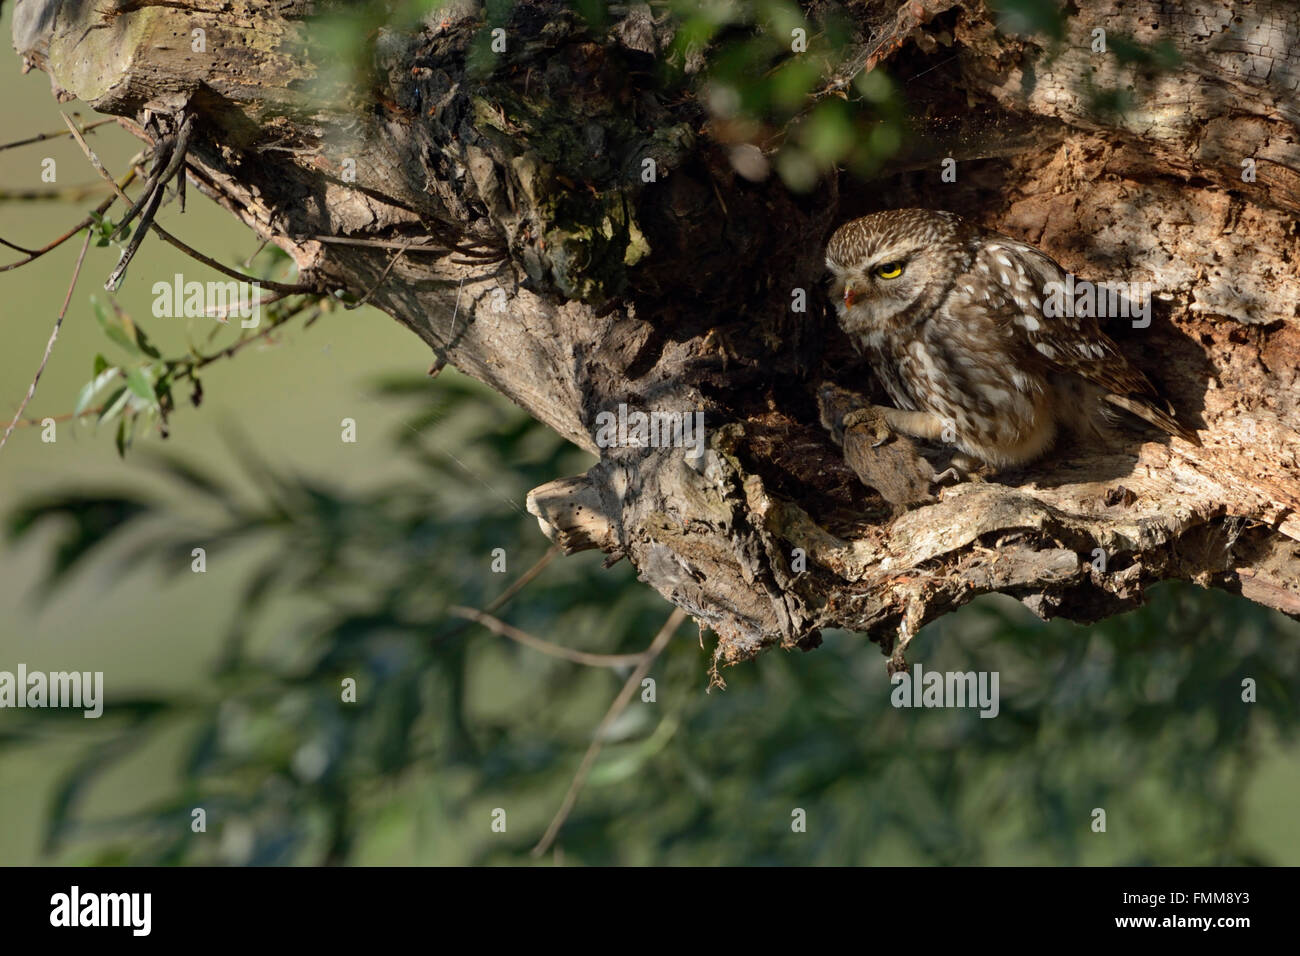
[1068, 342]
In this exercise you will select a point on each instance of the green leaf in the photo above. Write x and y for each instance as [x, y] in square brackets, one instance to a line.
[79, 522]
[1031, 16]
[780, 18]
[103, 228]
[146, 346]
[93, 387]
[792, 81]
[101, 363]
[875, 85]
[76, 783]
[123, 330]
[829, 133]
[114, 404]
[189, 476]
[113, 328]
[593, 11]
[138, 382]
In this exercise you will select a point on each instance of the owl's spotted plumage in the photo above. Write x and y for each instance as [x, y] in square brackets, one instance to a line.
[952, 318]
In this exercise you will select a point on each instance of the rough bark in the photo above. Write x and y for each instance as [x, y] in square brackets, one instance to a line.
[675, 295]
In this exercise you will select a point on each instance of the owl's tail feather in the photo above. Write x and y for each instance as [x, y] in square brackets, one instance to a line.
[1158, 417]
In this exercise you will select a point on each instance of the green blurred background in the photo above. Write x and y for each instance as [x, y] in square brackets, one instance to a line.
[328, 560]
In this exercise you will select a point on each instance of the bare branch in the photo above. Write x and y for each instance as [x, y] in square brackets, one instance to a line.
[49, 346]
[168, 237]
[497, 626]
[619, 705]
[33, 254]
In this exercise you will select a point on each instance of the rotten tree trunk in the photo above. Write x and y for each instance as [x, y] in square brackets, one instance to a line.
[580, 286]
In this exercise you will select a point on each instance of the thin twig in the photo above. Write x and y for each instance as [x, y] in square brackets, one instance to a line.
[150, 197]
[42, 137]
[505, 596]
[49, 346]
[455, 311]
[146, 218]
[64, 417]
[222, 313]
[168, 237]
[501, 599]
[498, 626]
[162, 174]
[434, 247]
[248, 263]
[285, 287]
[202, 361]
[33, 254]
[61, 194]
[378, 282]
[598, 738]
[374, 243]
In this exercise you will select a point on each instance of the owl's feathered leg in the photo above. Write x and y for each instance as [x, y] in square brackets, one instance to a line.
[957, 473]
[930, 427]
[917, 424]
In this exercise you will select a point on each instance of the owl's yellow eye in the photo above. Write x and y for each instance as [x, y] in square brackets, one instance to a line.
[890, 270]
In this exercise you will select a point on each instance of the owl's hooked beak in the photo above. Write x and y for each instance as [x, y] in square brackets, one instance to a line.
[851, 295]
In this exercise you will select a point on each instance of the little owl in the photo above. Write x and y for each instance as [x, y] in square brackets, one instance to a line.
[953, 319]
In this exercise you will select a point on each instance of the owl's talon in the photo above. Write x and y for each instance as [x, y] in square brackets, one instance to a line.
[870, 417]
[948, 474]
[856, 417]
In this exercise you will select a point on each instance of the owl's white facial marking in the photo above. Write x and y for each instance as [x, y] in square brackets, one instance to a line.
[879, 277]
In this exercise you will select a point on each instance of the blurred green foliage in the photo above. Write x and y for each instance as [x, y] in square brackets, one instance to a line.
[1141, 715]
[779, 79]
[1045, 17]
[781, 75]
